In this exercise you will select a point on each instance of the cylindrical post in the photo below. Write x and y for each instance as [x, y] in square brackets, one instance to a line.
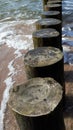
[45, 62]
[44, 3]
[53, 7]
[54, 2]
[37, 104]
[46, 37]
[50, 23]
[51, 14]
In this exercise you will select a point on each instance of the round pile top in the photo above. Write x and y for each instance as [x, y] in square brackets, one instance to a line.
[50, 12]
[48, 21]
[36, 97]
[44, 33]
[42, 56]
[54, 2]
[53, 5]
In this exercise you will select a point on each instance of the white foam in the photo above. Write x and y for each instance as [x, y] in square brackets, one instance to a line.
[19, 42]
[68, 8]
[11, 68]
[9, 84]
[13, 23]
[65, 38]
[30, 21]
[14, 38]
[66, 48]
[18, 53]
[67, 28]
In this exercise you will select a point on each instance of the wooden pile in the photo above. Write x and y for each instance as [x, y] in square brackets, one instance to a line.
[38, 103]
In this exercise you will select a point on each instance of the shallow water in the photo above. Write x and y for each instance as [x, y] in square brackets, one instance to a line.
[20, 9]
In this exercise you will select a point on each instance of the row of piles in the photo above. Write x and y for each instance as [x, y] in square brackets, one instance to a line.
[38, 103]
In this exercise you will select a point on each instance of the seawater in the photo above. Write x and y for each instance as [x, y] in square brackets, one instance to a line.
[20, 9]
[67, 30]
[15, 13]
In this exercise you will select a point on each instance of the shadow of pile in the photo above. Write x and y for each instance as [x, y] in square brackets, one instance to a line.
[68, 111]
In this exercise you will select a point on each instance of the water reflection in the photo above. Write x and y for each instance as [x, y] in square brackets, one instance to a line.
[67, 31]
